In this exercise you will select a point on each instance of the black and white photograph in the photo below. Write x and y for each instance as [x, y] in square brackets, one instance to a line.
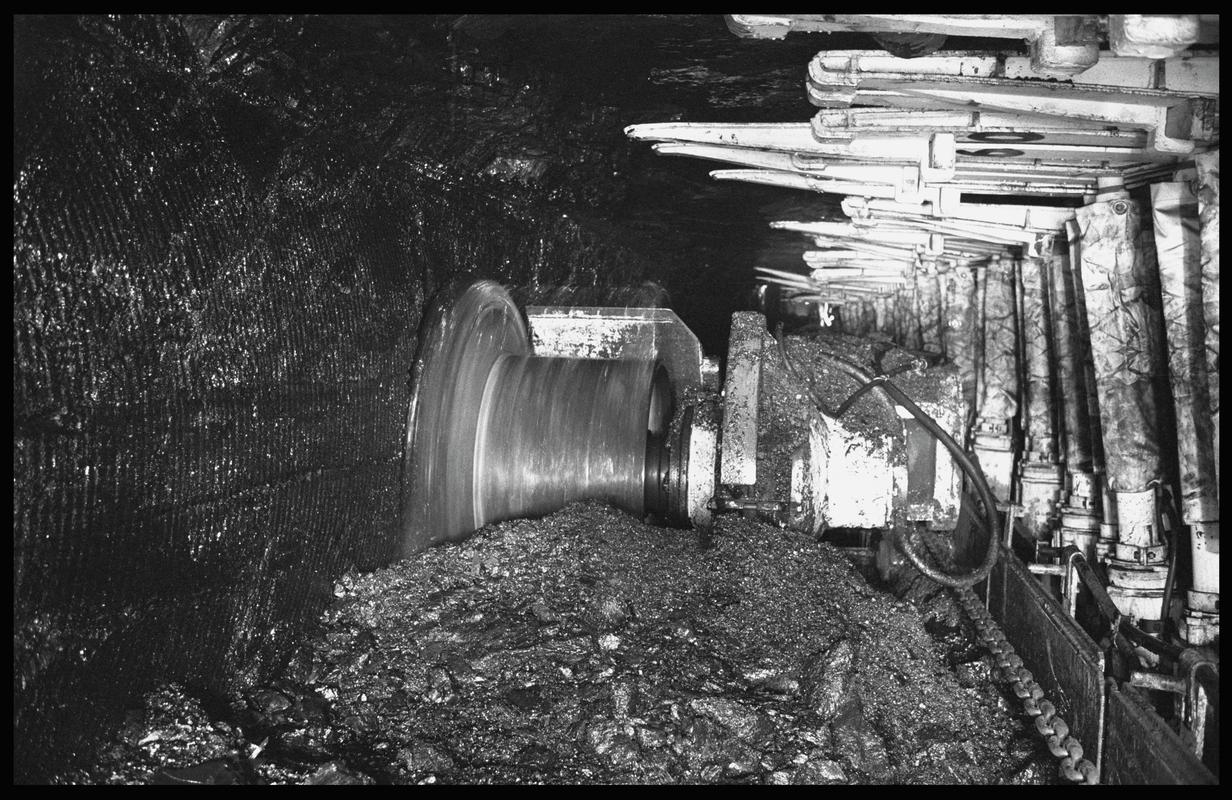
[616, 399]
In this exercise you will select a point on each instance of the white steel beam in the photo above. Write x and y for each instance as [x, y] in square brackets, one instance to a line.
[999, 26]
[1098, 108]
[977, 127]
[786, 136]
[1192, 75]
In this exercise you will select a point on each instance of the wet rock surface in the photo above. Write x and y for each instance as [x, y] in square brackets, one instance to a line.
[588, 647]
[213, 327]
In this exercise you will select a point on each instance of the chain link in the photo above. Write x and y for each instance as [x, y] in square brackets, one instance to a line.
[1048, 724]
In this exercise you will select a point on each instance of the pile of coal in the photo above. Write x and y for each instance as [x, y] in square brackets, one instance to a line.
[588, 647]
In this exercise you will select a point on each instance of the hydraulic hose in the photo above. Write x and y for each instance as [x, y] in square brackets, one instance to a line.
[847, 367]
[1166, 505]
[973, 471]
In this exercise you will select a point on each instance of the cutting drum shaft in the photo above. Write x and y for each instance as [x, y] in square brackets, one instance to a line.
[496, 432]
[552, 430]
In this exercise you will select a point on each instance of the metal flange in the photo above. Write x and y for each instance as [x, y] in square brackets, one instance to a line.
[464, 332]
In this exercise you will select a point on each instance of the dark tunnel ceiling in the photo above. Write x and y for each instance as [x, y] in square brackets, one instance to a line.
[656, 68]
[659, 68]
[584, 78]
[553, 89]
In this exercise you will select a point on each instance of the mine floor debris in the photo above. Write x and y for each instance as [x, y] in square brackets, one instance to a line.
[588, 647]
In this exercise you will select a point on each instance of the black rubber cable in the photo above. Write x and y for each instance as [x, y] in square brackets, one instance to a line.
[858, 393]
[1136, 636]
[872, 384]
[976, 475]
[848, 367]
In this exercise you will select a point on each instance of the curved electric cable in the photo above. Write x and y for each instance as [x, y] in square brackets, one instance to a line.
[982, 489]
[846, 366]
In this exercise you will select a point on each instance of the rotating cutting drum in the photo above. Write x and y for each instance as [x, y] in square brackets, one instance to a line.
[496, 432]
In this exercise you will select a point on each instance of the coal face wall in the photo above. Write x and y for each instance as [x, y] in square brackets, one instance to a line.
[225, 232]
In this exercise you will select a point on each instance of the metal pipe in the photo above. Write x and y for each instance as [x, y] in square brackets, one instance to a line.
[1080, 513]
[1118, 323]
[1083, 572]
[1158, 683]
[960, 332]
[1208, 215]
[981, 343]
[1072, 579]
[928, 299]
[1174, 527]
[1070, 389]
[999, 391]
[1104, 510]
[1040, 476]
[1038, 352]
[1175, 214]
[1146, 641]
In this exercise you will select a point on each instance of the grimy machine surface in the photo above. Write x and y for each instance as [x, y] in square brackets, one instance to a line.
[516, 412]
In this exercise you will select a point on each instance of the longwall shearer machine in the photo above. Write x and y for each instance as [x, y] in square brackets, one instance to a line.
[1008, 376]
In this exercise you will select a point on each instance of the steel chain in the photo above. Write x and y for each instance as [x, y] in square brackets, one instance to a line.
[1048, 724]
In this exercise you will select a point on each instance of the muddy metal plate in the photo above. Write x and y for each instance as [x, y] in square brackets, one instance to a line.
[1142, 749]
[627, 333]
[1068, 665]
[738, 458]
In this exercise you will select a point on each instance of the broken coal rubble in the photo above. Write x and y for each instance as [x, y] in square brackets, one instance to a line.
[588, 647]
